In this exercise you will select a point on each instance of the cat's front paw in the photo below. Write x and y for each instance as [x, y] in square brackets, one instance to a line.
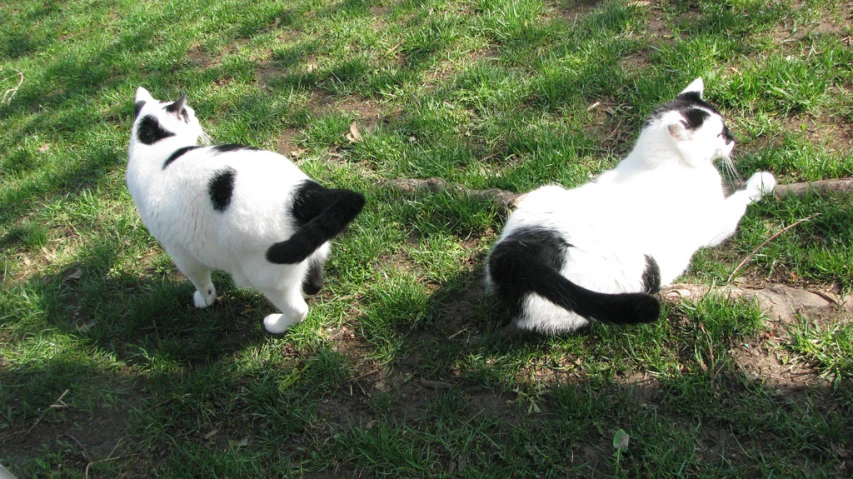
[206, 299]
[279, 323]
[759, 185]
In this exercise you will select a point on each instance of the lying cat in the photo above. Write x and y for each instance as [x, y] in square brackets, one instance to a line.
[248, 212]
[599, 251]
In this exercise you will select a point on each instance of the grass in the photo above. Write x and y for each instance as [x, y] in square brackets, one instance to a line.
[397, 371]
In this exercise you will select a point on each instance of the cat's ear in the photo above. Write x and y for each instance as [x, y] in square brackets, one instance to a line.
[143, 95]
[678, 130]
[175, 108]
[697, 87]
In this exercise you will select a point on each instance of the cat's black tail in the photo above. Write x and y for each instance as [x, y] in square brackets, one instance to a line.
[530, 262]
[321, 214]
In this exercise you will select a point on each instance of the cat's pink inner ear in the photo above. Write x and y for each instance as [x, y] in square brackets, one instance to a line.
[678, 131]
[696, 86]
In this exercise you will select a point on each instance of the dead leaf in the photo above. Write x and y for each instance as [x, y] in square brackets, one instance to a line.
[211, 434]
[44, 148]
[354, 136]
[72, 274]
[311, 67]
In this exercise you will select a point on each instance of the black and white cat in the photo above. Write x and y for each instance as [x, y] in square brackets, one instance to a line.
[249, 212]
[599, 251]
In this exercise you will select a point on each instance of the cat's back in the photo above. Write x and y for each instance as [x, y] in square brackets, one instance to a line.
[245, 173]
[219, 190]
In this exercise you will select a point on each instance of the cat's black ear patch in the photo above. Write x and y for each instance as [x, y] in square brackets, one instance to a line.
[727, 134]
[177, 154]
[692, 97]
[177, 106]
[695, 117]
[137, 107]
[177, 109]
[231, 147]
[221, 188]
[150, 131]
[651, 276]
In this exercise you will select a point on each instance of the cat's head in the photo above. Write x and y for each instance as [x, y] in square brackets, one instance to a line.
[692, 126]
[159, 120]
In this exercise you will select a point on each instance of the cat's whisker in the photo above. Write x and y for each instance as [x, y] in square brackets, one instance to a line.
[730, 172]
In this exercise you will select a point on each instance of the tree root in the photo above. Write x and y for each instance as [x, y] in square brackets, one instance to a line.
[504, 200]
[844, 185]
[507, 200]
[780, 302]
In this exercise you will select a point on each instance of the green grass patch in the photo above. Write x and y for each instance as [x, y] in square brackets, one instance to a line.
[400, 369]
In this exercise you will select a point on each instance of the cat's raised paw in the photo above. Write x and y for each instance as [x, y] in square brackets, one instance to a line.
[279, 323]
[760, 184]
[204, 300]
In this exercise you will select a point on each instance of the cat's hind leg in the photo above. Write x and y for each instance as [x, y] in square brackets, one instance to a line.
[198, 274]
[291, 304]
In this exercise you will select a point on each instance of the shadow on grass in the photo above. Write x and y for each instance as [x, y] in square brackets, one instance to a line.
[162, 385]
[456, 399]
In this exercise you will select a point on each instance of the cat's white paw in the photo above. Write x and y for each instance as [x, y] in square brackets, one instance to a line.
[204, 300]
[760, 184]
[279, 323]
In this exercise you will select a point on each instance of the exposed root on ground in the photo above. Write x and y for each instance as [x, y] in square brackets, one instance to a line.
[506, 200]
[844, 185]
[779, 302]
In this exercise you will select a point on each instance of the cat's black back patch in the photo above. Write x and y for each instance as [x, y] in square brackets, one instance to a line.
[137, 107]
[309, 200]
[150, 131]
[232, 147]
[522, 245]
[313, 281]
[221, 188]
[651, 276]
[177, 154]
[320, 214]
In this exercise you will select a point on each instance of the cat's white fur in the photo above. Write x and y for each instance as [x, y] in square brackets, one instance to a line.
[176, 208]
[665, 199]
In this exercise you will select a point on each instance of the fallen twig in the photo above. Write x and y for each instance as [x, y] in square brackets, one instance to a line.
[82, 447]
[88, 466]
[776, 235]
[435, 384]
[56, 404]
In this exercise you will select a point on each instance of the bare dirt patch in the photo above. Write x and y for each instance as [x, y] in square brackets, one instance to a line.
[832, 132]
[287, 143]
[88, 437]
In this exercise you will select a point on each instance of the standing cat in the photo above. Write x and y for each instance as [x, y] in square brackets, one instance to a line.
[248, 212]
[599, 251]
